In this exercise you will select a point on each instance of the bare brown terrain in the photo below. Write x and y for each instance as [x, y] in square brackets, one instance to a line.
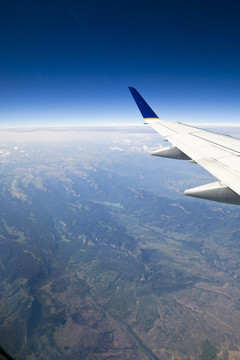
[100, 261]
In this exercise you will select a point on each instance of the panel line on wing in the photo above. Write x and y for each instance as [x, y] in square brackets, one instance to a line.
[219, 146]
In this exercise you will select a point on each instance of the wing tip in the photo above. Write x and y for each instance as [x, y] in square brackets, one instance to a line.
[146, 111]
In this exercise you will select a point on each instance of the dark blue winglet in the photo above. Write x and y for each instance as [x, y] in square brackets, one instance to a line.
[144, 108]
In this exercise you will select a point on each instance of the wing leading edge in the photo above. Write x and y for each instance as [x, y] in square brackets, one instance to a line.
[218, 154]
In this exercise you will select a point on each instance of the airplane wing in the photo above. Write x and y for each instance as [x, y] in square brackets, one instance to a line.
[218, 154]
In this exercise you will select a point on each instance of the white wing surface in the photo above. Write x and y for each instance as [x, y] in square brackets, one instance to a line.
[218, 154]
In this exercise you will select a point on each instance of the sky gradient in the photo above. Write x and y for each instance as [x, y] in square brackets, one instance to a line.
[70, 62]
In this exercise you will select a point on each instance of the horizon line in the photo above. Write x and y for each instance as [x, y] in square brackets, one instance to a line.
[109, 125]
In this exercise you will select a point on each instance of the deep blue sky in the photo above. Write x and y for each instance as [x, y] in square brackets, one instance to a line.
[69, 62]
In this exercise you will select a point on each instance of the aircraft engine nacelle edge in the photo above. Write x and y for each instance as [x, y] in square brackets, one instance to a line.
[215, 192]
[171, 152]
